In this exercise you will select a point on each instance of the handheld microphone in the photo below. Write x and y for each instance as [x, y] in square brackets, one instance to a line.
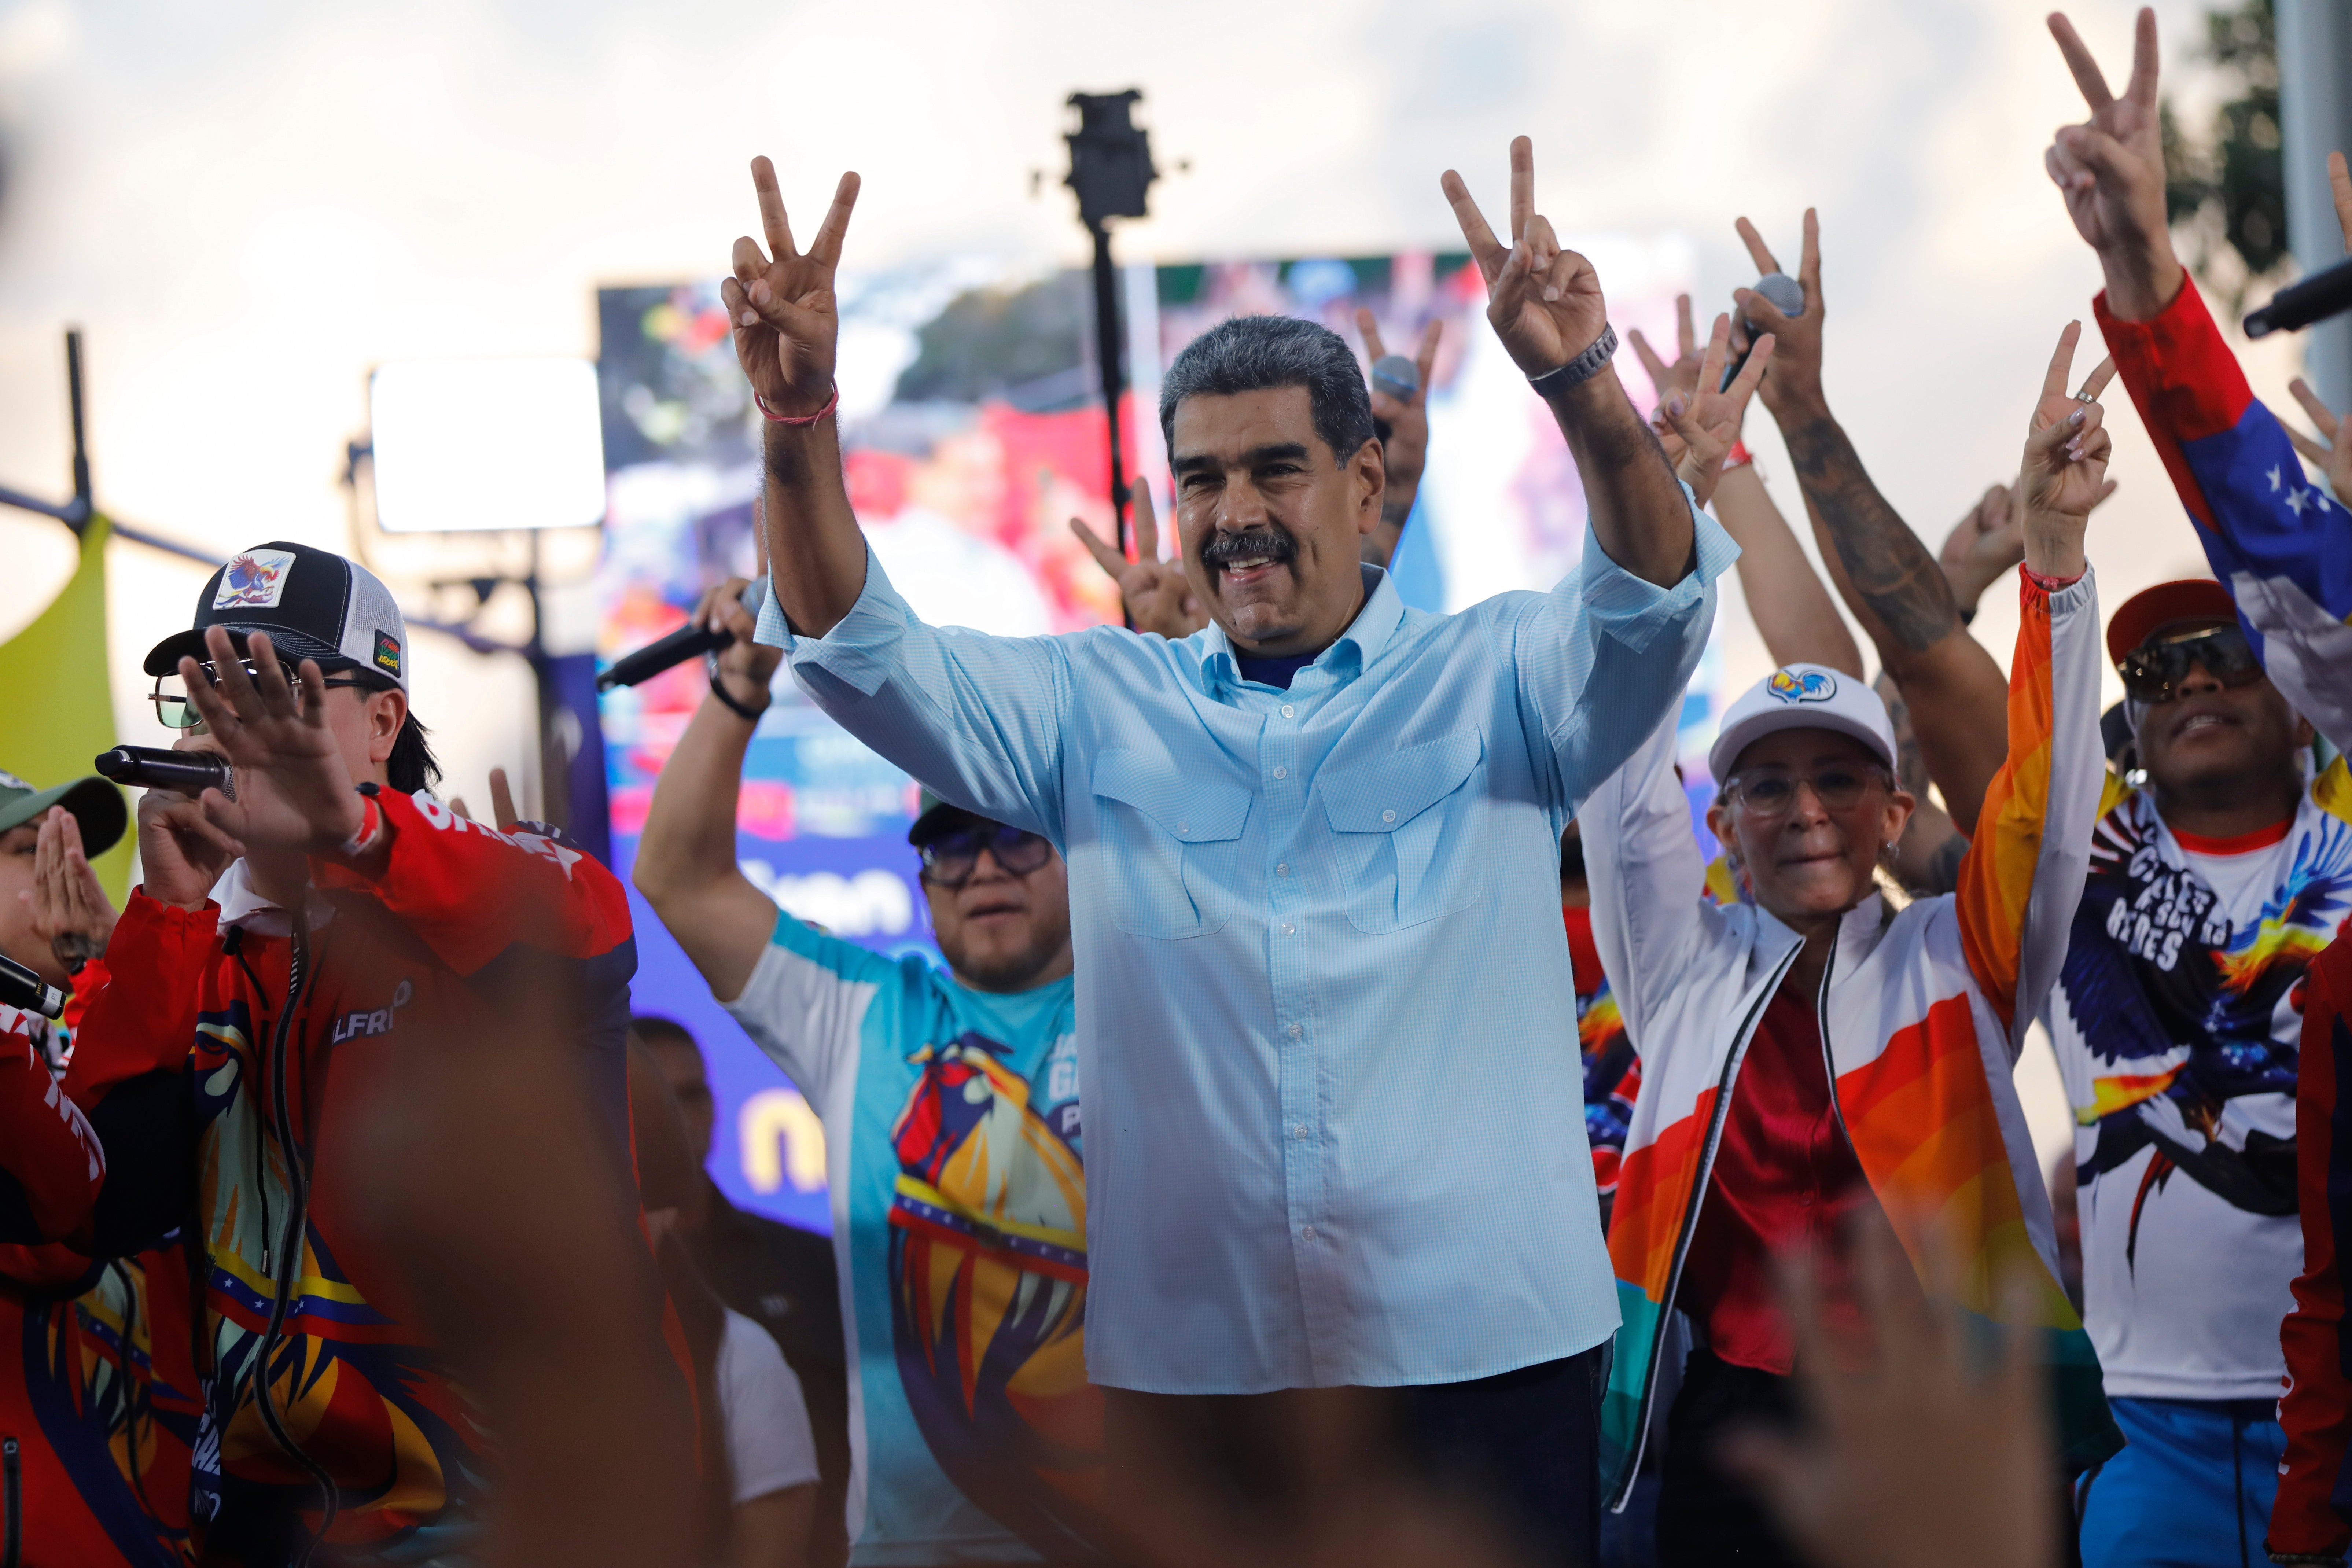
[2315, 299]
[182, 773]
[686, 642]
[20, 987]
[1783, 291]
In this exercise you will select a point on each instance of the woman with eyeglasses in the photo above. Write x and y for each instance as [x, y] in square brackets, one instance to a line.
[1813, 1057]
[953, 1150]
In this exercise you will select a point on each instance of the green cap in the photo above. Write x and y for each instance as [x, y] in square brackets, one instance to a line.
[97, 806]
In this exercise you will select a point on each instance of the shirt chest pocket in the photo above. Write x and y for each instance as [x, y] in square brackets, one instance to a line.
[1171, 845]
[1400, 822]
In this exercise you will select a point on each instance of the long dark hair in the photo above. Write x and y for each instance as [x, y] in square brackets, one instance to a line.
[411, 765]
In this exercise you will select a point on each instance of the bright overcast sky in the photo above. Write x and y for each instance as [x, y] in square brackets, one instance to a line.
[247, 206]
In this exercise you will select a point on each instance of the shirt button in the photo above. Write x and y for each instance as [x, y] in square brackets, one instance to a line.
[1294, 1032]
[1281, 772]
[1308, 1232]
[1301, 1132]
[1286, 710]
[1283, 870]
[1288, 930]
[1183, 828]
[1388, 817]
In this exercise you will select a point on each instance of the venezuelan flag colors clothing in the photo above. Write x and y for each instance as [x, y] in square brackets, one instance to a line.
[1921, 1014]
[2177, 1013]
[952, 1148]
[2313, 1516]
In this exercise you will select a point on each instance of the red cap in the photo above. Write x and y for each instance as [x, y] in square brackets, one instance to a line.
[2152, 609]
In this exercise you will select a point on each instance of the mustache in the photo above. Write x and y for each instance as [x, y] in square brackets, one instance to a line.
[1275, 543]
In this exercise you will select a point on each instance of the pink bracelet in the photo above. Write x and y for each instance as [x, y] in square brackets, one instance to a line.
[1739, 457]
[773, 417]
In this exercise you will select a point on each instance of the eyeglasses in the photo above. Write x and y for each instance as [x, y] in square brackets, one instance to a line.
[1772, 793]
[2153, 671]
[174, 711]
[949, 859]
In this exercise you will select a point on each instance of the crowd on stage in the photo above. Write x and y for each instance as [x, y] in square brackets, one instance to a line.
[1361, 1119]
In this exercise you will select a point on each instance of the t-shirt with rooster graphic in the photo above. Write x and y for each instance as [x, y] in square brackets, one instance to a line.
[952, 1148]
[2175, 1020]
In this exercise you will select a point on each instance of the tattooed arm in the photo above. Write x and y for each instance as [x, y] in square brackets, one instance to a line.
[1884, 572]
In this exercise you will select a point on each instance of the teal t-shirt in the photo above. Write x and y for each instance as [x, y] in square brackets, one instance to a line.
[959, 1224]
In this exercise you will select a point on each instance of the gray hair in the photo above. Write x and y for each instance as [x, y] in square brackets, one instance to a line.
[1249, 353]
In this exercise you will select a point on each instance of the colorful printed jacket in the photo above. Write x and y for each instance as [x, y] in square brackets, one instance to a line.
[97, 1396]
[318, 1381]
[1612, 1074]
[2313, 1515]
[1922, 1014]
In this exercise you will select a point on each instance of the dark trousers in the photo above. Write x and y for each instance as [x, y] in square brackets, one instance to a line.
[1707, 1516]
[1523, 1447]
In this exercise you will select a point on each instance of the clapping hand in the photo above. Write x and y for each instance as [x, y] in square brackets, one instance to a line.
[2111, 171]
[70, 910]
[294, 791]
[1544, 303]
[2064, 473]
[781, 302]
[1705, 422]
[1157, 597]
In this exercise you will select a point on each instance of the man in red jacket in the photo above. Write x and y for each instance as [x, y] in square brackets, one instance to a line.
[297, 940]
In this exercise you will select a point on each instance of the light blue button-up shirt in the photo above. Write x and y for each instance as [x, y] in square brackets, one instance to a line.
[1327, 1025]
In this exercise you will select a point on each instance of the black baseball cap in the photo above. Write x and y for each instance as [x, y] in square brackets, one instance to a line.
[314, 604]
[935, 819]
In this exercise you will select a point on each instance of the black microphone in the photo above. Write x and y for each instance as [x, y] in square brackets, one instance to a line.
[20, 987]
[686, 642]
[2316, 298]
[183, 772]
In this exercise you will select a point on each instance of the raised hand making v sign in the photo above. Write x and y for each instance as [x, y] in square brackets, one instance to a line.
[1545, 304]
[2111, 169]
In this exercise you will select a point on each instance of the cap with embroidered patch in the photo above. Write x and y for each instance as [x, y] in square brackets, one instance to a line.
[314, 604]
[1801, 697]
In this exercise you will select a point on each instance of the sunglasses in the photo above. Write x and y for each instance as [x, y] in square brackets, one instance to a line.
[175, 710]
[1772, 793]
[949, 859]
[2153, 671]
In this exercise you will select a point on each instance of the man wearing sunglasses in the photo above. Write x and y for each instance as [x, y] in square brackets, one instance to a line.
[2211, 886]
[952, 1144]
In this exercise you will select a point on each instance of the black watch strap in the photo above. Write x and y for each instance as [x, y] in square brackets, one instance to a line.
[1580, 369]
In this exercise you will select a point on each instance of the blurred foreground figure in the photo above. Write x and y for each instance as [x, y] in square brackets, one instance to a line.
[2211, 890]
[1326, 988]
[1813, 1059]
[952, 1147]
[241, 1035]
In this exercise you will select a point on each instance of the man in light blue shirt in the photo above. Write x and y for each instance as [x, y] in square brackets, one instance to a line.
[1325, 1009]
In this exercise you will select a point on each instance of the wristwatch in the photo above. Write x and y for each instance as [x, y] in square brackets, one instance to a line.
[1580, 369]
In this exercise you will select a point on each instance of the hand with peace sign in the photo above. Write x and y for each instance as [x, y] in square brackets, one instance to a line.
[2111, 171]
[1706, 420]
[2064, 474]
[781, 302]
[1544, 303]
[1793, 390]
[1157, 597]
[1406, 451]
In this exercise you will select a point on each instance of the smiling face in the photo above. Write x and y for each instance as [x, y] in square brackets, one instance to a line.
[999, 932]
[1270, 520]
[1811, 861]
[2212, 735]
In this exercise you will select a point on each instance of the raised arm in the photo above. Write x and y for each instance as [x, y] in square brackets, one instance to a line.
[787, 325]
[1545, 303]
[2281, 546]
[1643, 866]
[1405, 446]
[2021, 877]
[1698, 424]
[686, 864]
[1885, 574]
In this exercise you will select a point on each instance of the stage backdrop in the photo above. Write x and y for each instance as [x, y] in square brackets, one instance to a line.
[972, 433]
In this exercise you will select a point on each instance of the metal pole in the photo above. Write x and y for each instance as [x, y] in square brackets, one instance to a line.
[82, 502]
[1110, 349]
[2314, 56]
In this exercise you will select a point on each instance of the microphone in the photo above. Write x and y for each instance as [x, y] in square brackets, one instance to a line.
[20, 987]
[2316, 298]
[686, 642]
[183, 772]
[1783, 291]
